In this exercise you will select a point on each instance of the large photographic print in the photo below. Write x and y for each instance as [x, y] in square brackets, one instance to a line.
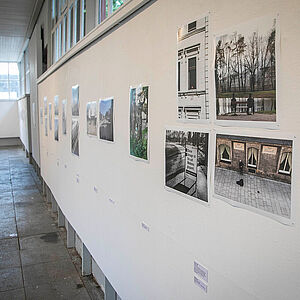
[56, 107]
[255, 172]
[50, 116]
[192, 70]
[64, 116]
[245, 72]
[91, 117]
[139, 122]
[106, 120]
[186, 162]
[75, 100]
[56, 125]
[75, 137]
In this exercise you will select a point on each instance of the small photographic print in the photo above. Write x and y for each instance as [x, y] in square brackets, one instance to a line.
[56, 106]
[64, 116]
[45, 106]
[245, 72]
[106, 120]
[255, 172]
[50, 116]
[75, 100]
[46, 126]
[91, 117]
[41, 116]
[186, 162]
[56, 125]
[75, 137]
[192, 71]
[139, 122]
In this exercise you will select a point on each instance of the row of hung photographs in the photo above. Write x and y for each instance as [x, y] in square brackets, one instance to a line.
[250, 172]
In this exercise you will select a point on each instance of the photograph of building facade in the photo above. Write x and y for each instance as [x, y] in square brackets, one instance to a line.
[75, 100]
[64, 116]
[50, 116]
[56, 126]
[75, 137]
[106, 120]
[186, 161]
[91, 118]
[255, 172]
[138, 121]
[192, 70]
[245, 72]
[56, 106]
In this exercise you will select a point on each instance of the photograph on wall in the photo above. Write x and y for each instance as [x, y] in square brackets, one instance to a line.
[45, 106]
[186, 162]
[106, 119]
[192, 71]
[33, 115]
[254, 173]
[56, 106]
[41, 116]
[75, 137]
[75, 100]
[46, 126]
[139, 122]
[56, 125]
[64, 116]
[91, 118]
[245, 72]
[50, 116]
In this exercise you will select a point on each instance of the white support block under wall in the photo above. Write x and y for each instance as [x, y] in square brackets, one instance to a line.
[61, 218]
[70, 235]
[54, 204]
[86, 261]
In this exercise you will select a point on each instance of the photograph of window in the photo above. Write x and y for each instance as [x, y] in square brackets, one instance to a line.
[255, 172]
[91, 118]
[9, 81]
[75, 137]
[139, 122]
[192, 71]
[75, 100]
[106, 120]
[245, 72]
[186, 162]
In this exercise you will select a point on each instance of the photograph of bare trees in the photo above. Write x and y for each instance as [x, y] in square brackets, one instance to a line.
[139, 122]
[91, 118]
[245, 72]
[186, 160]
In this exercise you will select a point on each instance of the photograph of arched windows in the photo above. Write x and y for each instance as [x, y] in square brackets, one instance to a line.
[186, 160]
[245, 72]
[255, 172]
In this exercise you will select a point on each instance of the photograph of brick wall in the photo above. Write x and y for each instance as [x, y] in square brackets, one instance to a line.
[255, 172]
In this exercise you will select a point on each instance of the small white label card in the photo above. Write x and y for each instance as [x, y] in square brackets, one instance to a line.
[201, 271]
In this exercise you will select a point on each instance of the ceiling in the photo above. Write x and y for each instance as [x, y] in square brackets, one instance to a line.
[17, 20]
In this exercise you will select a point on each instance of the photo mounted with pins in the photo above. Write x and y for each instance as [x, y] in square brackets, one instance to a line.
[56, 125]
[106, 120]
[75, 137]
[245, 72]
[254, 173]
[64, 116]
[91, 118]
[75, 100]
[186, 162]
[50, 116]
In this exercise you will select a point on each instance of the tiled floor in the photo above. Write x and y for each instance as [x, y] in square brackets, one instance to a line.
[34, 261]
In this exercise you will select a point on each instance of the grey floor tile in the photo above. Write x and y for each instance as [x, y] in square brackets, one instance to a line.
[49, 272]
[10, 244]
[7, 211]
[32, 195]
[18, 294]
[9, 259]
[27, 210]
[62, 289]
[8, 228]
[39, 225]
[11, 279]
[42, 240]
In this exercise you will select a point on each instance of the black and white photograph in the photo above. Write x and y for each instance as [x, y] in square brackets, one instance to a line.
[75, 137]
[106, 119]
[56, 125]
[138, 121]
[50, 116]
[186, 162]
[56, 106]
[91, 118]
[45, 106]
[192, 71]
[46, 126]
[75, 101]
[245, 72]
[64, 116]
[255, 172]
[41, 115]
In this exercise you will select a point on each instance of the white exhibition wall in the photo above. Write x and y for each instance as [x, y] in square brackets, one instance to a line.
[107, 196]
[9, 119]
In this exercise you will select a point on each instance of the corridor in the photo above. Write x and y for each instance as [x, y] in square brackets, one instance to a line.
[34, 260]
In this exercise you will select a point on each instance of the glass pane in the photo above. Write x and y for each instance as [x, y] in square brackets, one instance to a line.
[13, 71]
[116, 4]
[14, 89]
[71, 27]
[3, 71]
[83, 18]
[4, 90]
[192, 73]
[77, 21]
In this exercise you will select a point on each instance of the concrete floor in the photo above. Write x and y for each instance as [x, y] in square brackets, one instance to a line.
[34, 260]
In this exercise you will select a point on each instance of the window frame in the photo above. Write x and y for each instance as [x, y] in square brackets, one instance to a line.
[222, 159]
[9, 81]
[286, 161]
[251, 165]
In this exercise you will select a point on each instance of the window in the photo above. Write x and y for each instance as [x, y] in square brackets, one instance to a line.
[285, 165]
[252, 157]
[225, 154]
[192, 73]
[9, 81]
[77, 21]
[116, 4]
[178, 74]
[83, 18]
[71, 21]
[192, 26]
